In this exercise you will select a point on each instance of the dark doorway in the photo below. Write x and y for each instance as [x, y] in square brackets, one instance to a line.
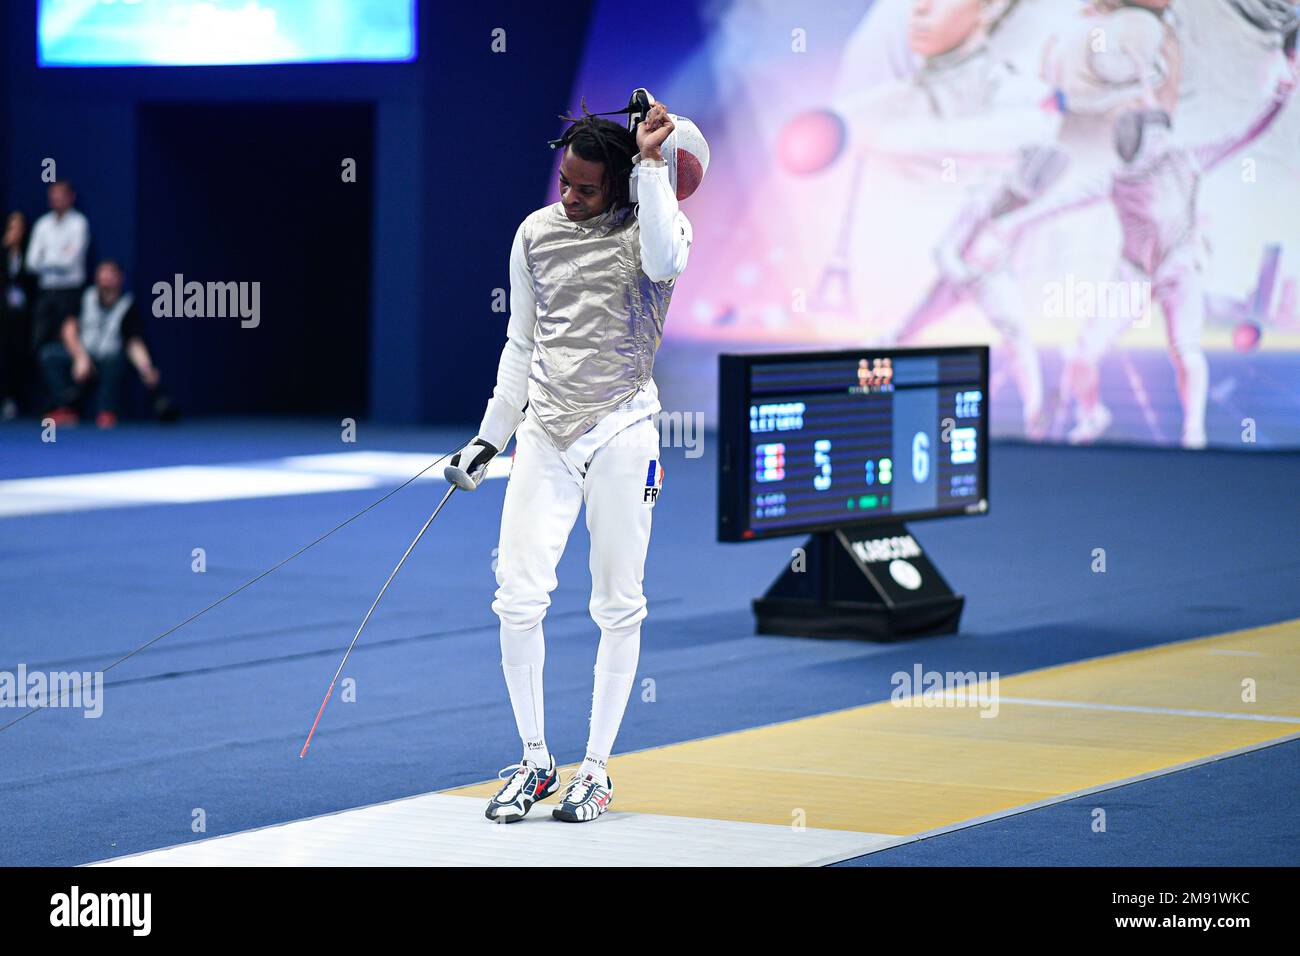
[255, 193]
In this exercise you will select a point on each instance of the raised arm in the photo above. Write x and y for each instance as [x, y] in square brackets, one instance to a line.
[1211, 154]
[1088, 191]
[989, 135]
[665, 231]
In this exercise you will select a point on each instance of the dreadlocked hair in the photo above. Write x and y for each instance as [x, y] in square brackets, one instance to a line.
[603, 141]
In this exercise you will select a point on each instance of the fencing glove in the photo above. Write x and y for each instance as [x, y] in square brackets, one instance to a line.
[469, 465]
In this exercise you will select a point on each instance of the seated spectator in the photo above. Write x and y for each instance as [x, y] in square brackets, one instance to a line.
[91, 353]
[56, 255]
[16, 291]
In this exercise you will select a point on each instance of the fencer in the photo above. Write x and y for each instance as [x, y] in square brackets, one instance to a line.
[1154, 191]
[591, 278]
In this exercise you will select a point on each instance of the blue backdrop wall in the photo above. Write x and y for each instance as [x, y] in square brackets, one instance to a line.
[458, 158]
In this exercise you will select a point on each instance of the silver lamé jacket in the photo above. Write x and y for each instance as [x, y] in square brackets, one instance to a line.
[587, 307]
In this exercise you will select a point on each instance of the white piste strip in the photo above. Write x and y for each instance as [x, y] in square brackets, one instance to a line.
[395, 465]
[1138, 709]
[188, 484]
[183, 484]
[438, 829]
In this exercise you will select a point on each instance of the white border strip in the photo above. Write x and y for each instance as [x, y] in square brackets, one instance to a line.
[1139, 709]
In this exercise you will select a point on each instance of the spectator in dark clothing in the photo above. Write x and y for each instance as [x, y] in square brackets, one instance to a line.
[89, 358]
[17, 288]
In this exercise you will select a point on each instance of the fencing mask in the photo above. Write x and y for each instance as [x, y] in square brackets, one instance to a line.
[685, 150]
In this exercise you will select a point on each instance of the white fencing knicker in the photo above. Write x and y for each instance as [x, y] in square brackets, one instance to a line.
[546, 490]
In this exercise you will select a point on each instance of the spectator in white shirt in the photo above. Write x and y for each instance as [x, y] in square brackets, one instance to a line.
[56, 255]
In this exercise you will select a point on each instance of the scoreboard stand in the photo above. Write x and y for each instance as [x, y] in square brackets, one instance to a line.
[849, 446]
[874, 584]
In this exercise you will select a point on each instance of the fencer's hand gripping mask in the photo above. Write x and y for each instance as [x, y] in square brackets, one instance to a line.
[686, 151]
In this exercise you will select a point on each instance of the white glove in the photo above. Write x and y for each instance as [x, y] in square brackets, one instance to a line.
[469, 465]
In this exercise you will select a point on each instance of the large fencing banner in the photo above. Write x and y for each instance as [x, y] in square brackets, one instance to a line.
[1107, 192]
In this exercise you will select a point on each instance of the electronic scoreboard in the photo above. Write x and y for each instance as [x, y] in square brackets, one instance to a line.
[819, 440]
[836, 444]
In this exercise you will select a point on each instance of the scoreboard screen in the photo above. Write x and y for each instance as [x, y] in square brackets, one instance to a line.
[818, 440]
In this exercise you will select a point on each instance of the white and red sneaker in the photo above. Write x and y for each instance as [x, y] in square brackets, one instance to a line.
[585, 798]
[525, 784]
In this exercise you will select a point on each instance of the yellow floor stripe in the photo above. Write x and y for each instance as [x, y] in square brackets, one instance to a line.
[882, 768]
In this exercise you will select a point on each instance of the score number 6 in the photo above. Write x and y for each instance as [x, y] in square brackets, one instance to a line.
[920, 457]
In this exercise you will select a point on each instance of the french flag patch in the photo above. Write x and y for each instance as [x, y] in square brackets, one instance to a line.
[654, 481]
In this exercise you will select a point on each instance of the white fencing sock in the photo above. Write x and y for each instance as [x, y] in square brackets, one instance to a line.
[614, 674]
[523, 654]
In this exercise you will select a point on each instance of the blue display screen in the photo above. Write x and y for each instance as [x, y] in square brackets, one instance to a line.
[216, 32]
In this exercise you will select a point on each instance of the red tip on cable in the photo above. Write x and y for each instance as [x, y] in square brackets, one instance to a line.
[303, 753]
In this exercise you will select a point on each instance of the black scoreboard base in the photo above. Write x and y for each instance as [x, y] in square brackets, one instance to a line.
[871, 584]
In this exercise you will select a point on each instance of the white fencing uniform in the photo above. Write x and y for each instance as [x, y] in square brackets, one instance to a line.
[587, 305]
[618, 480]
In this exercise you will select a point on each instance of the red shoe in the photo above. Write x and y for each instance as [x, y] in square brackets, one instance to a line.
[64, 416]
[106, 420]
